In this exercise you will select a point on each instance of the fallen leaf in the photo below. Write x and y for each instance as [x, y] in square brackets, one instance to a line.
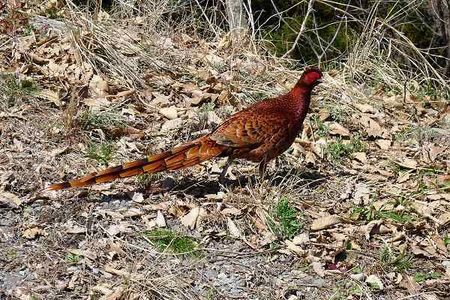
[434, 197]
[138, 197]
[96, 103]
[318, 268]
[231, 211]
[325, 222]
[98, 86]
[85, 253]
[75, 229]
[116, 294]
[169, 112]
[190, 219]
[171, 124]
[319, 147]
[432, 152]
[160, 99]
[403, 177]
[383, 144]
[294, 248]
[160, 220]
[32, 233]
[359, 277]
[301, 239]
[338, 129]
[10, 199]
[233, 229]
[371, 127]
[360, 156]
[361, 195]
[444, 218]
[364, 108]
[408, 163]
[122, 227]
[52, 96]
[213, 119]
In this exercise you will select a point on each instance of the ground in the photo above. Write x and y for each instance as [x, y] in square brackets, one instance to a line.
[357, 208]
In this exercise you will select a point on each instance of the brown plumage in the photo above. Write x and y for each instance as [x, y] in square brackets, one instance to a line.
[258, 133]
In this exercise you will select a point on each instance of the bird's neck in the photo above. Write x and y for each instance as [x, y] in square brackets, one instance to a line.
[300, 98]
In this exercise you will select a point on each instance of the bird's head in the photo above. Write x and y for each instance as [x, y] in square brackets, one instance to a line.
[310, 77]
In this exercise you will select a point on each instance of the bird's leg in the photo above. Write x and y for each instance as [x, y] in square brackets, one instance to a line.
[224, 171]
[262, 168]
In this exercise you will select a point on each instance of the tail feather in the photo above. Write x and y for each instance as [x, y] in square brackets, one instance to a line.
[180, 157]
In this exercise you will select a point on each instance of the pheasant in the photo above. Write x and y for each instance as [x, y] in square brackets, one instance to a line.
[258, 133]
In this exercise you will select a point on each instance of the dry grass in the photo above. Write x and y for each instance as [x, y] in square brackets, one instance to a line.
[92, 243]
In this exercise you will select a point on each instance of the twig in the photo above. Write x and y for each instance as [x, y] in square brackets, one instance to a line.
[302, 29]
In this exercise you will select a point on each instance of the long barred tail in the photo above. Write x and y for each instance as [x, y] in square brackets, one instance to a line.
[183, 156]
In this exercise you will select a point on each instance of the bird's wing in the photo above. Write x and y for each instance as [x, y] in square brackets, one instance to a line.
[249, 129]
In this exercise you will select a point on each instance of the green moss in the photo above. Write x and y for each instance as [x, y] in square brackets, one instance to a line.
[169, 241]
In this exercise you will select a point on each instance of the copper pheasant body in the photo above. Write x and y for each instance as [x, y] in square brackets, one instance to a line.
[258, 133]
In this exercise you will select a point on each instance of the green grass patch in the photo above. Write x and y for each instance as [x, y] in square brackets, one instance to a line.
[339, 149]
[420, 277]
[72, 259]
[446, 240]
[322, 130]
[346, 289]
[14, 88]
[339, 114]
[166, 240]
[144, 179]
[418, 133]
[370, 213]
[89, 120]
[101, 152]
[395, 261]
[284, 220]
